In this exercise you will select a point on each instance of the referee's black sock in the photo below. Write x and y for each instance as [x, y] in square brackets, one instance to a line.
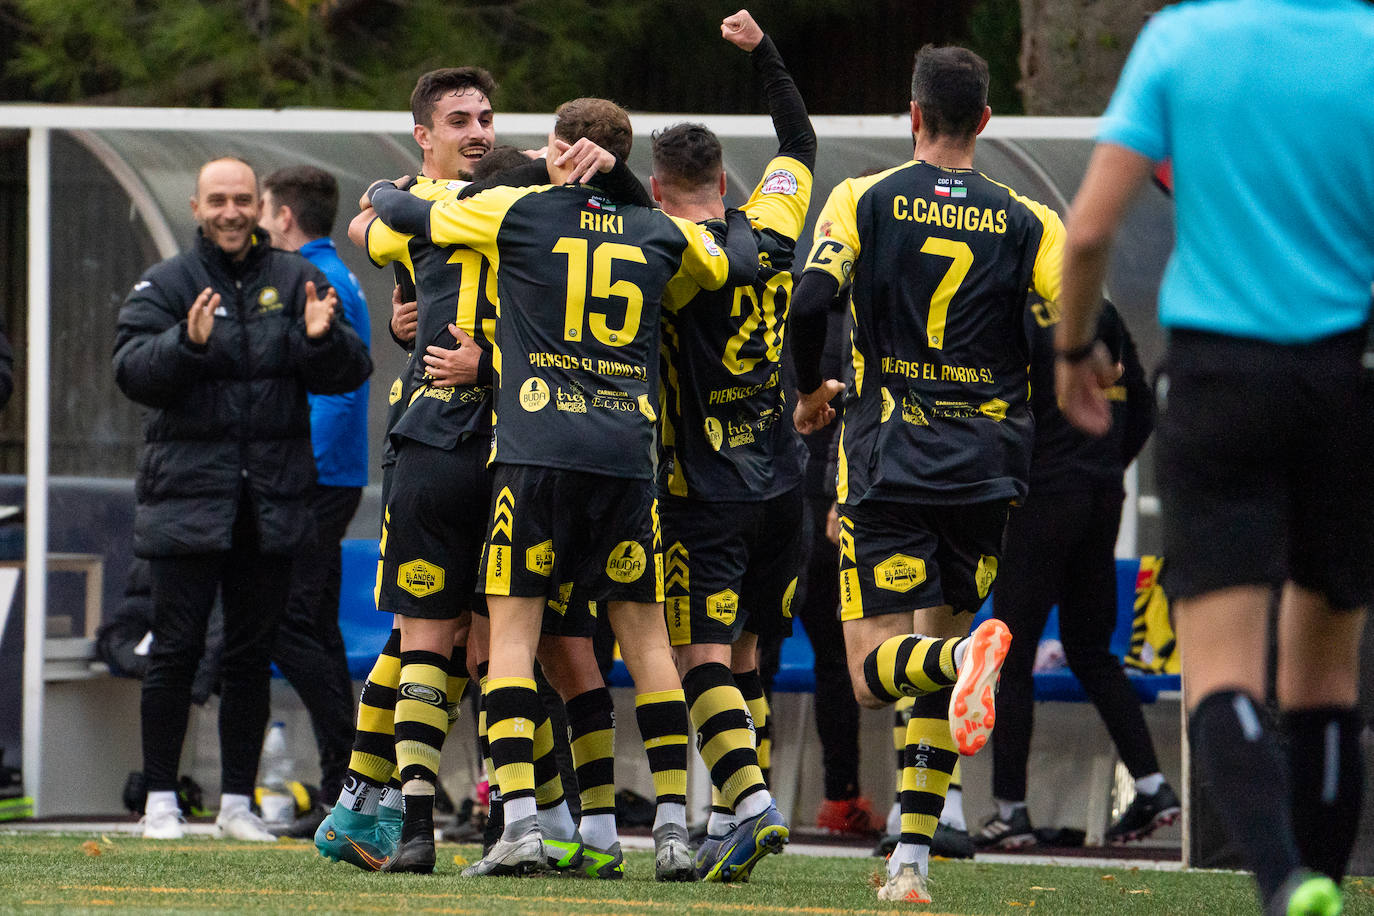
[1240, 762]
[1327, 772]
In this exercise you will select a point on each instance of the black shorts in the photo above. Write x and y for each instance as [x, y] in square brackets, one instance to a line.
[568, 613]
[1266, 466]
[896, 558]
[730, 567]
[432, 530]
[549, 526]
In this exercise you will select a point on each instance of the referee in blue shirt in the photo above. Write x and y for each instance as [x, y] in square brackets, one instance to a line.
[298, 209]
[1266, 423]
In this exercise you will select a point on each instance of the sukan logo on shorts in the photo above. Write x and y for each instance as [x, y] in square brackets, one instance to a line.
[626, 562]
[420, 578]
[899, 573]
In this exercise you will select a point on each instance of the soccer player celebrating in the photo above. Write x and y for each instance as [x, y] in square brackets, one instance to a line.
[580, 280]
[936, 436]
[730, 478]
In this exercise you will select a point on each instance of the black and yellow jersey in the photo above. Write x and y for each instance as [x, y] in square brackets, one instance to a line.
[454, 284]
[940, 261]
[580, 282]
[727, 425]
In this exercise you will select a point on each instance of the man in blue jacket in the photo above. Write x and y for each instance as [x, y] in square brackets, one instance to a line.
[299, 204]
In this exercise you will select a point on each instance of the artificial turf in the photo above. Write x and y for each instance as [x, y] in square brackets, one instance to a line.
[83, 873]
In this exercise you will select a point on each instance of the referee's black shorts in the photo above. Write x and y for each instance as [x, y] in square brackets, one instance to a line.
[1266, 465]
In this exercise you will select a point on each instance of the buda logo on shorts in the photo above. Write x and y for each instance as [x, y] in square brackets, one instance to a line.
[985, 574]
[539, 559]
[626, 562]
[899, 573]
[723, 606]
[534, 394]
[420, 578]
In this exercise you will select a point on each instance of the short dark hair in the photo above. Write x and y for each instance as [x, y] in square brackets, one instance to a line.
[434, 85]
[687, 156]
[599, 120]
[499, 159]
[310, 192]
[950, 86]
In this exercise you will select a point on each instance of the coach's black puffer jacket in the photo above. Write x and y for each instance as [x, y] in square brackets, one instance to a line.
[230, 417]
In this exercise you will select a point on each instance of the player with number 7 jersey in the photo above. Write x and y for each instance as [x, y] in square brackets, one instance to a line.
[940, 260]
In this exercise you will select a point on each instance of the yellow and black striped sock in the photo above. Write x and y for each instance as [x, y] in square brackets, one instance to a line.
[591, 734]
[931, 755]
[421, 715]
[513, 709]
[548, 783]
[457, 684]
[751, 688]
[723, 736]
[910, 666]
[901, 715]
[373, 760]
[483, 744]
[663, 727]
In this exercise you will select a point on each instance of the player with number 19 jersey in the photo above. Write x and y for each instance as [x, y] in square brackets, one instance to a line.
[460, 278]
[938, 411]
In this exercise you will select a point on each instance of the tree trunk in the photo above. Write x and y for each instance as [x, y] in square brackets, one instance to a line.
[1072, 52]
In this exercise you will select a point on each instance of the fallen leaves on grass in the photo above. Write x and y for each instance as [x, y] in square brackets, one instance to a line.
[91, 848]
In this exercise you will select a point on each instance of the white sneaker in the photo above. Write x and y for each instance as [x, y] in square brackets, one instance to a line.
[908, 886]
[243, 824]
[163, 824]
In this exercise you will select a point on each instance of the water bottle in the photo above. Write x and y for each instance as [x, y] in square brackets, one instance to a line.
[275, 799]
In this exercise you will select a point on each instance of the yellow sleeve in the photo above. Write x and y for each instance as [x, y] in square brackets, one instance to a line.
[782, 197]
[474, 221]
[704, 265]
[385, 245]
[836, 243]
[1047, 274]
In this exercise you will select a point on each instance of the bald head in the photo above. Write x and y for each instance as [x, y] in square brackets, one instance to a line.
[226, 204]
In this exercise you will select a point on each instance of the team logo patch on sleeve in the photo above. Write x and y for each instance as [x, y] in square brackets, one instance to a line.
[779, 181]
[710, 242]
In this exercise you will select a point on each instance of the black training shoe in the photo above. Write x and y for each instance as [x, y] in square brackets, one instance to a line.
[999, 834]
[951, 842]
[1144, 815]
[415, 855]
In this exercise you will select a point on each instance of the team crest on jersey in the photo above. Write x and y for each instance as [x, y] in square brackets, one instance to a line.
[534, 394]
[779, 181]
[626, 563]
[889, 404]
[395, 394]
[269, 300]
[899, 573]
[420, 578]
[996, 409]
[709, 241]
